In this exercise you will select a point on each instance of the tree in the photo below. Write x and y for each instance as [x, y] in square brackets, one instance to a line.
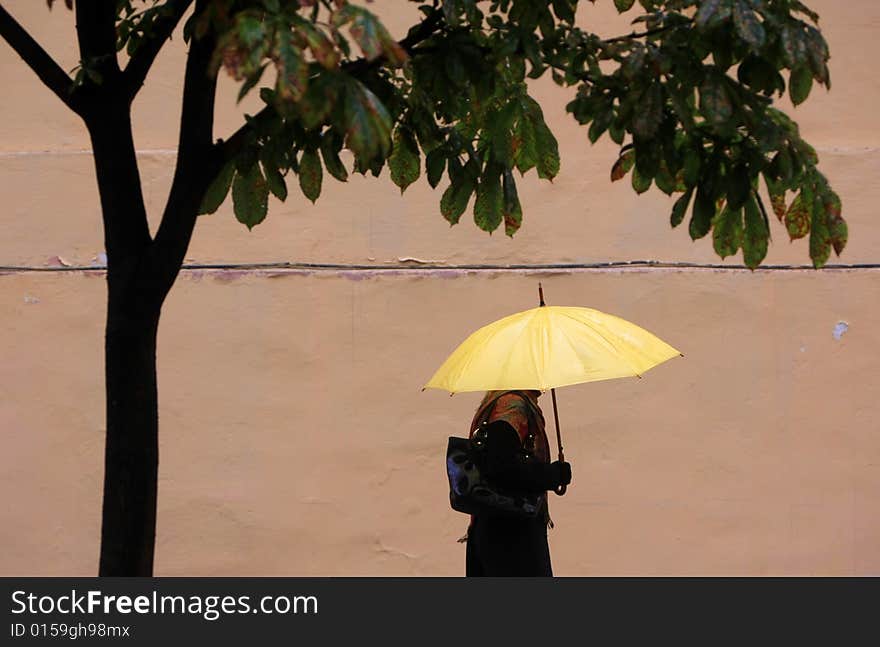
[689, 99]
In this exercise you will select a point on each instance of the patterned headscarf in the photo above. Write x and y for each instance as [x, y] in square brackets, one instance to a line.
[515, 408]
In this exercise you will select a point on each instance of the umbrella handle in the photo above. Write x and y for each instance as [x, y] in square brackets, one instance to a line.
[560, 489]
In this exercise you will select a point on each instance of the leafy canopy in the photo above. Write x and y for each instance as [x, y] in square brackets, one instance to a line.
[689, 97]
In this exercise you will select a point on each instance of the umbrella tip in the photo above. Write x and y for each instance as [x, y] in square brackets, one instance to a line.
[682, 354]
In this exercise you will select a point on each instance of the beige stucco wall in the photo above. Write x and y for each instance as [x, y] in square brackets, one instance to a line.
[294, 436]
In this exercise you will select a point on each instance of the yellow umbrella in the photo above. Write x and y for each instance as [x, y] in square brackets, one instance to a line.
[548, 347]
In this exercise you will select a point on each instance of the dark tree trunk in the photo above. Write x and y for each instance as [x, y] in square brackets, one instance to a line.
[140, 269]
[140, 272]
[131, 462]
[128, 527]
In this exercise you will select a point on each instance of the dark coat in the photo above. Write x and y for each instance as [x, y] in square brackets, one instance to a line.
[504, 546]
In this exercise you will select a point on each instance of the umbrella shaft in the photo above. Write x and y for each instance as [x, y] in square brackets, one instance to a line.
[556, 420]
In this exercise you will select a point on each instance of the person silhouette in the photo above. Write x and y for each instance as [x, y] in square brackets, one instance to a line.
[502, 545]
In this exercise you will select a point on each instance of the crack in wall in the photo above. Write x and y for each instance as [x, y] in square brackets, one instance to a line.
[280, 268]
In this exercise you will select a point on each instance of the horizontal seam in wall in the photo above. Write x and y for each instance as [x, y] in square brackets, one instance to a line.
[422, 267]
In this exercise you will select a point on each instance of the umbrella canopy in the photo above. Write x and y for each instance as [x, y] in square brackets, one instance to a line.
[548, 347]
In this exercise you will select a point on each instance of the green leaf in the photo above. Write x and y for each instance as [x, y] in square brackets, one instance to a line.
[488, 207]
[800, 84]
[451, 9]
[250, 29]
[680, 208]
[249, 83]
[739, 187]
[512, 210]
[546, 146]
[548, 152]
[321, 47]
[435, 164]
[368, 124]
[364, 29]
[781, 167]
[217, 190]
[330, 146]
[275, 181]
[404, 162]
[455, 198]
[708, 10]
[293, 70]
[624, 5]
[691, 167]
[703, 213]
[598, 127]
[722, 53]
[799, 214]
[634, 63]
[250, 197]
[647, 121]
[246, 158]
[820, 238]
[640, 183]
[801, 7]
[497, 133]
[311, 174]
[369, 33]
[319, 100]
[758, 73]
[617, 133]
[647, 158]
[727, 230]
[817, 51]
[756, 236]
[664, 180]
[715, 103]
[747, 25]
[525, 145]
[793, 47]
[563, 10]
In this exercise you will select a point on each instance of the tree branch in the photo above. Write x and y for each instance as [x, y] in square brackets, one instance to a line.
[646, 34]
[196, 165]
[228, 149]
[416, 35]
[96, 33]
[49, 72]
[162, 28]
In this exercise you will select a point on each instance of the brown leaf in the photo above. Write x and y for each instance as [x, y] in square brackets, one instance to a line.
[838, 230]
[623, 165]
[779, 207]
[797, 218]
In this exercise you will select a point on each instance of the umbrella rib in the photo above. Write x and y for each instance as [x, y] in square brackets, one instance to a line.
[598, 331]
[516, 344]
[468, 361]
[483, 343]
[652, 357]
